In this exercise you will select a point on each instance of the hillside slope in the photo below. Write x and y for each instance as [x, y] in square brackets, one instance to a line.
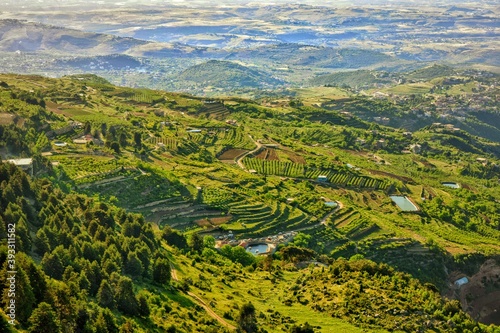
[311, 56]
[130, 183]
[226, 74]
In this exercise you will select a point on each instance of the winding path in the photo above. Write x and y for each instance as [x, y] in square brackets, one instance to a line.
[202, 303]
[239, 159]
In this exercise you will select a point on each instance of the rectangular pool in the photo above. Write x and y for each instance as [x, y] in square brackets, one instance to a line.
[451, 184]
[404, 203]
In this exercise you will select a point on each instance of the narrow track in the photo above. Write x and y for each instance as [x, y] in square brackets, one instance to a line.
[239, 159]
[203, 304]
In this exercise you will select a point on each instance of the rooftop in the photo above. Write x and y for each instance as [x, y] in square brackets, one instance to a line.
[21, 161]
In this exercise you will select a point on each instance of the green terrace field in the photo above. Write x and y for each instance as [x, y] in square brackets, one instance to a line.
[336, 177]
[85, 168]
[306, 150]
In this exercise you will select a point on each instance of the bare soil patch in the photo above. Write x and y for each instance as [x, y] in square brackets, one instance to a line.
[231, 154]
[6, 118]
[481, 296]
[273, 155]
[263, 154]
[54, 107]
[295, 158]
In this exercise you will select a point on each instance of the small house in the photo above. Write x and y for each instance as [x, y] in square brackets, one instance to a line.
[322, 178]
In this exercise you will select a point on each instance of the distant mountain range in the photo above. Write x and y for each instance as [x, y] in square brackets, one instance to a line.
[312, 56]
[24, 36]
[275, 45]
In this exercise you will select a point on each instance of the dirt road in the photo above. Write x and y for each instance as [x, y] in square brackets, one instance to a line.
[239, 159]
[202, 303]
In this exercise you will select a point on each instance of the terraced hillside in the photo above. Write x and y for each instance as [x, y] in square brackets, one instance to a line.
[161, 160]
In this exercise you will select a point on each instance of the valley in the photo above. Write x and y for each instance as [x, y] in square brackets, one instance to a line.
[249, 167]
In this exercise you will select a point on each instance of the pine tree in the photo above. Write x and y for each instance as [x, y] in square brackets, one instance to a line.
[161, 271]
[100, 324]
[138, 140]
[196, 243]
[109, 318]
[41, 242]
[143, 305]
[88, 128]
[38, 282]
[83, 281]
[134, 265]
[247, 321]
[123, 140]
[52, 266]
[173, 237]
[105, 295]
[128, 327]
[125, 297]
[144, 253]
[44, 319]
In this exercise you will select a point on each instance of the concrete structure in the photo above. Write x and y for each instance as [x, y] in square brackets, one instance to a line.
[460, 282]
[24, 163]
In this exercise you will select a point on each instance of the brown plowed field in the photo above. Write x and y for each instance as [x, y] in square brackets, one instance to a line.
[231, 154]
[268, 155]
[263, 154]
[273, 155]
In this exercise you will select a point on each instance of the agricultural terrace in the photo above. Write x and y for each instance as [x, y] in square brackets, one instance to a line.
[295, 170]
[229, 155]
[320, 143]
[254, 217]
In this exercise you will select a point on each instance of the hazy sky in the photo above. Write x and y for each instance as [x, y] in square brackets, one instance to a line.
[97, 3]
